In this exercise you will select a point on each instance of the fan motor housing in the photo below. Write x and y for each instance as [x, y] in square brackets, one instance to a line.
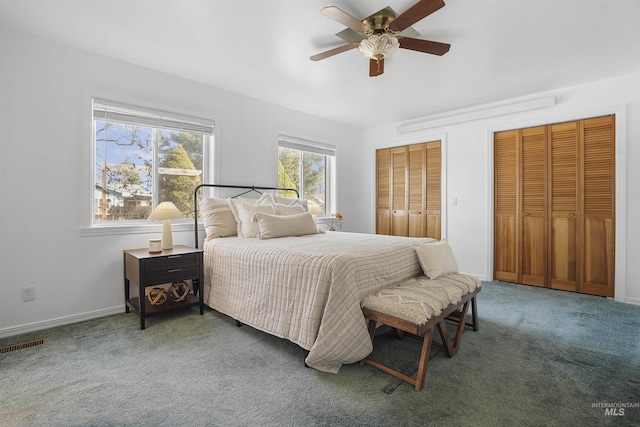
[379, 21]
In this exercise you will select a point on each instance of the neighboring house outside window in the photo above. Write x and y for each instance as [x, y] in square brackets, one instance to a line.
[308, 167]
[143, 157]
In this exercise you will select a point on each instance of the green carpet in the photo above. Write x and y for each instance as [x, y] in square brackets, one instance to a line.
[541, 358]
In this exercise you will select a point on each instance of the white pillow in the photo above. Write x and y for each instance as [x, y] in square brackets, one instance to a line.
[436, 258]
[243, 211]
[272, 226]
[217, 218]
[291, 202]
[288, 209]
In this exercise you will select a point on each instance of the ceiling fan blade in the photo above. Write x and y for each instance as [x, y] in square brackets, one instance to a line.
[351, 36]
[344, 18]
[376, 67]
[415, 13]
[333, 51]
[426, 46]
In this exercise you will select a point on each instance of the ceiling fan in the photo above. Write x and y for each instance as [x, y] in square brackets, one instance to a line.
[382, 33]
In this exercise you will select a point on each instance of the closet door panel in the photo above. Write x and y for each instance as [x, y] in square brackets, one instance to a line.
[564, 236]
[507, 207]
[416, 190]
[533, 210]
[433, 197]
[383, 191]
[599, 206]
[563, 256]
[399, 195]
[599, 257]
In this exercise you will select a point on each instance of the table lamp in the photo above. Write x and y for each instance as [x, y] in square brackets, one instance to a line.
[166, 211]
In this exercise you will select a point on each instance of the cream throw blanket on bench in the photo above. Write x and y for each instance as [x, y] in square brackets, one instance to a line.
[419, 299]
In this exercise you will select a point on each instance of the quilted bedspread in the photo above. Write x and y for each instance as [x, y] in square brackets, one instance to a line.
[308, 289]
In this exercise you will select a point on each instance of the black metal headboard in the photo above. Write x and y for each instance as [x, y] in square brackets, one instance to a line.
[247, 188]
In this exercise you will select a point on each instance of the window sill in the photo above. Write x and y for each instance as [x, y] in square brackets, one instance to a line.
[119, 229]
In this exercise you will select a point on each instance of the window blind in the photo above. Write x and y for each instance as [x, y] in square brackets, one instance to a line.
[306, 145]
[135, 115]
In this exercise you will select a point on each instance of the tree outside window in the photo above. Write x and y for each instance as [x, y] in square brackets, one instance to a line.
[308, 170]
[139, 165]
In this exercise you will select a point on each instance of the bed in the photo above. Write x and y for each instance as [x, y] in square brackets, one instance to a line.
[305, 288]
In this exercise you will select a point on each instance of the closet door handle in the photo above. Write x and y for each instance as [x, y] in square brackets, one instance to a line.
[526, 214]
[571, 214]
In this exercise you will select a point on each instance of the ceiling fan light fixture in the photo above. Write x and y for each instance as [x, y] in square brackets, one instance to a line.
[379, 46]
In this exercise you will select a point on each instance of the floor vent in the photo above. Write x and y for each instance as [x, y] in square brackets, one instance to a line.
[15, 347]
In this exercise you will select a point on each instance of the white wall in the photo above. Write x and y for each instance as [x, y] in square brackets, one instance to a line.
[45, 143]
[469, 165]
[45, 140]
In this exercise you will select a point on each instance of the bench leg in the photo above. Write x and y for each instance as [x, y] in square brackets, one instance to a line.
[372, 331]
[452, 348]
[424, 359]
[474, 314]
[418, 382]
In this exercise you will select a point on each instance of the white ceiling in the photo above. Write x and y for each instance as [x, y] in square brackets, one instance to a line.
[500, 49]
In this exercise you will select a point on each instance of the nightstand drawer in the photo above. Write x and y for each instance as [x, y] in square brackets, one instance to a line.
[172, 275]
[171, 262]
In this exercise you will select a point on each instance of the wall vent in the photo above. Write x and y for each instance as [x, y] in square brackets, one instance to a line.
[15, 347]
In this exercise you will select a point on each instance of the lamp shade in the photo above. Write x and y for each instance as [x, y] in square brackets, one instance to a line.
[166, 210]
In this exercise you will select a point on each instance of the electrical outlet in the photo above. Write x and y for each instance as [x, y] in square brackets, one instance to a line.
[29, 294]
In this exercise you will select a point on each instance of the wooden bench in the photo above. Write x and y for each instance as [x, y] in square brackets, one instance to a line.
[416, 308]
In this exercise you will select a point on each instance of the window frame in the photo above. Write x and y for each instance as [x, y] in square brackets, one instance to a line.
[171, 121]
[330, 152]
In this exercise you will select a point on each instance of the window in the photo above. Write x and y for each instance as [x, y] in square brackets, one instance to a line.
[143, 157]
[308, 167]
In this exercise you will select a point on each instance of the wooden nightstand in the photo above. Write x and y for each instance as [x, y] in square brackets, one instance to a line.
[173, 265]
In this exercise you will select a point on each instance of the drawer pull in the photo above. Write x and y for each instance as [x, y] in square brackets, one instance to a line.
[174, 270]
[174, 256]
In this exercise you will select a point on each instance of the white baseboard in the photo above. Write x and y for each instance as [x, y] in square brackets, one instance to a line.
[45, 324]
[634, 301]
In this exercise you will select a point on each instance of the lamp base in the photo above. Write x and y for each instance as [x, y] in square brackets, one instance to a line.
[167, 235]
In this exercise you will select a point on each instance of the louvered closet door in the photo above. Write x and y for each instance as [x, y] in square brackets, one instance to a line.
[383, 191]
[507, 206]
[565, 200]
[555, 206]
[533, 211]
[399, 192]
[433, 200]
[408, 190]
[598, 242]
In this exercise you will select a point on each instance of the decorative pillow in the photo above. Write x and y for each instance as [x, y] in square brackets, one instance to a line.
[291, 202]
[272, 226]
[288, 209]
[218, 218]
[243, 211]
[436, 258]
